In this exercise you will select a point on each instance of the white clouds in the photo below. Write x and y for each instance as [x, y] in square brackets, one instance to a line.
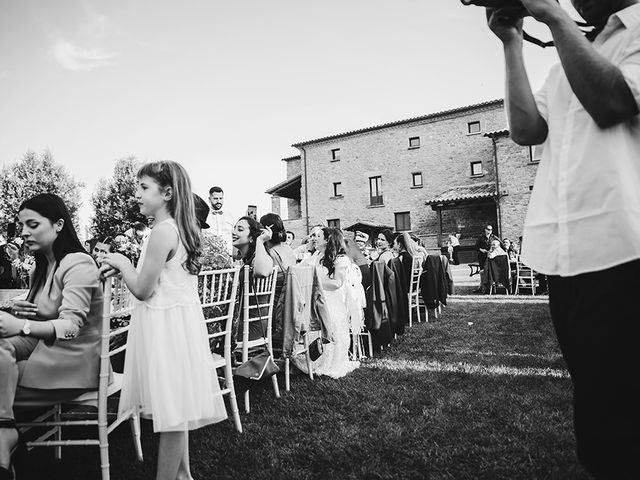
[72, 57]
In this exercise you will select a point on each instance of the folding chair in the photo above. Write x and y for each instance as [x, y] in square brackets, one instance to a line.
[116, 304]
[263, 294]
[414, 290]
[218, 289]
[525, 278]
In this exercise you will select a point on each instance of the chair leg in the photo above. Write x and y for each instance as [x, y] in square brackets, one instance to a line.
[103, 437]
[58, 429]
[276, 389]
[287, 373]
[233, 401]
[370, 344]
[134, 421]
[418, 311]
[247, 408]
[410, 313]
[307, 357]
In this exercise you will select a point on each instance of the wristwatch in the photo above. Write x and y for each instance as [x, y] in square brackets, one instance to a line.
[26, 328]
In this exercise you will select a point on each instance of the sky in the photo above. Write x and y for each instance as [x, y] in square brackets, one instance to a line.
[225, 87]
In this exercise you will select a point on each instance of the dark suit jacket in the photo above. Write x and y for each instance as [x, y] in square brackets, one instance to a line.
[381, 303]
[402, 295]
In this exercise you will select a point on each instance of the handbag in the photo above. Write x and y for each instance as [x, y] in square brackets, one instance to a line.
[260, 365]
[257, 367]
[315, 349]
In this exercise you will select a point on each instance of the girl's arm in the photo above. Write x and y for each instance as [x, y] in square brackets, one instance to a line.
[162, 242]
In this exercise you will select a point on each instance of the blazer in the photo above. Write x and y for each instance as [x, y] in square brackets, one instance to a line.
[72, 299]
[381, 303]
[402, 294]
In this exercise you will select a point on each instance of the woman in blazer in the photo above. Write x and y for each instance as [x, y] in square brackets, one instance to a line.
[55, 332]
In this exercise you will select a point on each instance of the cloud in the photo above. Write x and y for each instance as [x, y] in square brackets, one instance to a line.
[72, 57]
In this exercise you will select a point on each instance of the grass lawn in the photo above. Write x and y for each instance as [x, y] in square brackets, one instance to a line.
[480, 392]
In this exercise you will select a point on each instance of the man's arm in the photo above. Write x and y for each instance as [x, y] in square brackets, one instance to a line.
[599, 85]
[526, 125]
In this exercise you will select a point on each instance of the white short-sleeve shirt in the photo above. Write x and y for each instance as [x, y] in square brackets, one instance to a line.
[584, 213]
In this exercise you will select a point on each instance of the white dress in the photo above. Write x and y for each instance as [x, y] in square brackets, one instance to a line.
[334, 361]
[168, 367]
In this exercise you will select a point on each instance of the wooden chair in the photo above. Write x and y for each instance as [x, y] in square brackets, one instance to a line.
[525, 278]
[414, 290]
[264, 292]
[218, 289]
[116, 304]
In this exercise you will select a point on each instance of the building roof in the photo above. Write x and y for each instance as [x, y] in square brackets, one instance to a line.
[288, 159]
[464, 193]
[290, 188]
[497, 133]
[430, 116]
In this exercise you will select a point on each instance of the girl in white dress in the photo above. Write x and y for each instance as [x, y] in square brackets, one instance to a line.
[168, 367]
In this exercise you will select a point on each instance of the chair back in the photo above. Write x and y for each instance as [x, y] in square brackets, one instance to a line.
[416, 271]
[217, 290]
[260, 291]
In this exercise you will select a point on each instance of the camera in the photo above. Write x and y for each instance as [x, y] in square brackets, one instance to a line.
[511, 4]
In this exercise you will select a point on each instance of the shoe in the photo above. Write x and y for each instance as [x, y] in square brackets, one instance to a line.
[9, 472]
[478, 290]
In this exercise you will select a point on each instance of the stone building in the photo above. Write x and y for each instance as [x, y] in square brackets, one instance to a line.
[450, 171]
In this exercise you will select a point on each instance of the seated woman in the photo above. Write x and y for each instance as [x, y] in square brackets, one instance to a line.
[249, 238]
[283, 257]
[55, 332]
[406, 248]
[510, 248]
[384, 243]
[333, 271]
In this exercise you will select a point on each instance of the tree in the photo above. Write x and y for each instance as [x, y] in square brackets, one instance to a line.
[114, 204]
[35, 174]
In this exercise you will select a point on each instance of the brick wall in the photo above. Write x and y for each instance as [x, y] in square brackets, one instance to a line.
[444, 156]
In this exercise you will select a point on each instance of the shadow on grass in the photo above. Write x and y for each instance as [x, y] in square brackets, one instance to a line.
[393, 423]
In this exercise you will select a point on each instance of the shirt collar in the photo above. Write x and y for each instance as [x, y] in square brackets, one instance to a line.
[629, 17]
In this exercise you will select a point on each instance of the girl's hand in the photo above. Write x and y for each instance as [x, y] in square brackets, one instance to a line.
[10, 326]
[24, 309]
[115, 260]
[266, 234]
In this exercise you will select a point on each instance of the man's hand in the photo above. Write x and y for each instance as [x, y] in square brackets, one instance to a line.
[505, 23]
[543, 10]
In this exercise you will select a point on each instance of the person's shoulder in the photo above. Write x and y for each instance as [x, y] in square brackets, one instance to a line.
[78, 263]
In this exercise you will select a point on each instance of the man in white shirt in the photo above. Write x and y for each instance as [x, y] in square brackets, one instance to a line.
[220, 223]
[583, 224]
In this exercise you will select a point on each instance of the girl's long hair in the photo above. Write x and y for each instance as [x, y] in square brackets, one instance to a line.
[334, 247]
[52, 207]
[388, 235]
[181, 206]
[255, 229]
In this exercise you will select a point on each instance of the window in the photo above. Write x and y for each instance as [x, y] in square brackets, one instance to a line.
[417, 179]
[335, 154]
[375, 190]
[403, 222]
[476, 169]
[535, 153]
[414, 142]
[333, 223]
[473, 127]
[337, 189]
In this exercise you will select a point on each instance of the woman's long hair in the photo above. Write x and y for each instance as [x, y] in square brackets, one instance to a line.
[334, 247]
[181, 206]
[274, 221]
[407, 244]
[52, 207]
[255, 229]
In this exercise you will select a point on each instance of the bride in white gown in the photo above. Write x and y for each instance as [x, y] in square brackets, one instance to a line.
[333, 271]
